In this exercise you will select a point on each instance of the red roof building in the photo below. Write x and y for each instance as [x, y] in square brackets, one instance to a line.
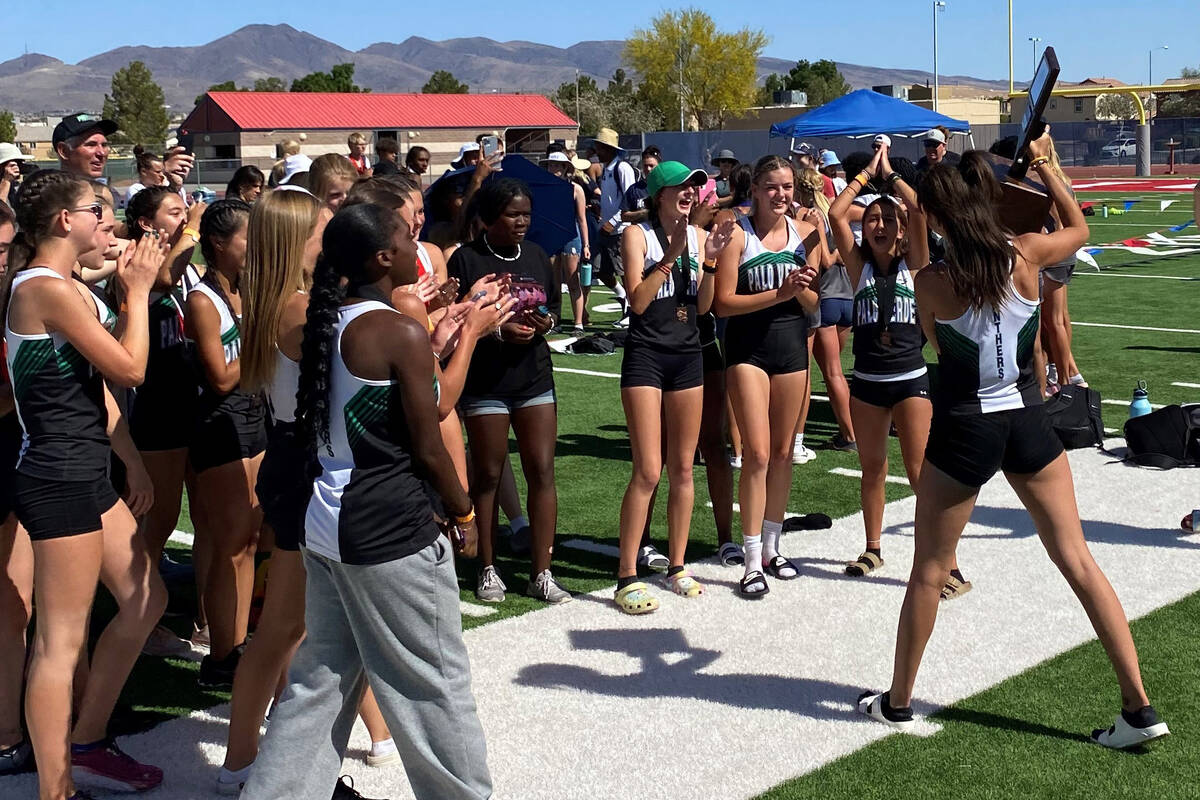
[248, 127]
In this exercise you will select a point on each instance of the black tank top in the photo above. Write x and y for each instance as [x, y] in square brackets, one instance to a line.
[887, 333]
[60, 402]
[669, 322]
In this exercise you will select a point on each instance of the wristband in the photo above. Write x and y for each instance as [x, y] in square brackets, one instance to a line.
[708, 270]
[665, 269]
[862, 179]
[710, 263]
[469, 518]
[192, 232]
[895, 176]
[1039, 161]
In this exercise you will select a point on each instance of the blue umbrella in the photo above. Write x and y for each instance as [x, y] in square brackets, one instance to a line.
[553, 223]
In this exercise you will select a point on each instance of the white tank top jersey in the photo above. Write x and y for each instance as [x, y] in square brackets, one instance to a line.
[282, 391]
[231, 338]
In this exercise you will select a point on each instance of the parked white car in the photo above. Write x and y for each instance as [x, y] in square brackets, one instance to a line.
[1120, 148]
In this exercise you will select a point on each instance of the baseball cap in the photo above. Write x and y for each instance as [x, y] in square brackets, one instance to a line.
[829, 159]
[805, 149]
[933, 137]
[556, 156]
[672, 173]
[883, 139]
[81, 123]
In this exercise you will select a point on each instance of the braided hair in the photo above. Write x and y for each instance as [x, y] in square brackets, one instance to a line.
[349, 245]
[221, 220]
[43, 195]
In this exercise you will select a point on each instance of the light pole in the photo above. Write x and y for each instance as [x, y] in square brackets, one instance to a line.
[1150, 72]
[1035, 40]
[1010, 51]
[939, 5]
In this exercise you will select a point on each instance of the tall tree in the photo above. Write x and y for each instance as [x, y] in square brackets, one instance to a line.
[338, 79]
[682, 56]
[271, 84]
[1181, 104]
[821, 80]
[8, 127]
[773, 83]
[619, 83]
[444, 82]
[1115, 106]
[137, 106]
[619, 106]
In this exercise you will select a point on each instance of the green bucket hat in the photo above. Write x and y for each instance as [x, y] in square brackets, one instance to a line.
[672, 173]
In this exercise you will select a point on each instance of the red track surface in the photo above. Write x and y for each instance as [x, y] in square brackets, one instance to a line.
[1134, 185]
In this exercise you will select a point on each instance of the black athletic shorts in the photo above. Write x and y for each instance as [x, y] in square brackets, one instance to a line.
[283, 488]
[777, 351]
[606, 256]
[668, 371]
[53, 509]
[235, 429]
[971, 448]
[713, 357]
[887, 394]
[11, 436]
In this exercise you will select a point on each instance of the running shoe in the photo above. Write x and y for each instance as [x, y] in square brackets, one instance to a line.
[872, 705]
[735, 462]
[163, 643]
[218, 673]
[839, 442]
[383, 753]
[801, 454]
[578, 331]
[200, 639]
[344, 790]
[543, 587]
[489, 588]
[106, 766]
[229, 784]
[623, 322]
[650, 558]
[1132, 729]
[16, 759]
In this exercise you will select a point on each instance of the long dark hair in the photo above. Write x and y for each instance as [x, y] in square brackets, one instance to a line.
[978, 251]
[740, 182]
[351, 240]
[144, 205]
[246, 175]
[976, 169]
[42, 196]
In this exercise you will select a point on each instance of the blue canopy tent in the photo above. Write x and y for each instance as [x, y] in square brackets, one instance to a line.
[866, 113]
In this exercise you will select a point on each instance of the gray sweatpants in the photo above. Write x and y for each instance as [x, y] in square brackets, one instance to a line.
[397, 625]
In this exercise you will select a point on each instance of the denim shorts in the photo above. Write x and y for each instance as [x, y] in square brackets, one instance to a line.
[573, 247]
[482, 406]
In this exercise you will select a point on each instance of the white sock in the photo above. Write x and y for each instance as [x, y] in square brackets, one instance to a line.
[518, 522]
[619, 291]
[235, 776]
[383, 748]
[770, 539]
[1076, 379]
[753, 547]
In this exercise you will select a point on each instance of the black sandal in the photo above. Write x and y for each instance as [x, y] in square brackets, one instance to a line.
[777, 565]
[754, 585]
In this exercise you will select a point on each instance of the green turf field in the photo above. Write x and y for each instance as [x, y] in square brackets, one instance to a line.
[990, 746]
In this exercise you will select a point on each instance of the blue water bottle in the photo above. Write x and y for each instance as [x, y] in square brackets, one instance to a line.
[1140, 405]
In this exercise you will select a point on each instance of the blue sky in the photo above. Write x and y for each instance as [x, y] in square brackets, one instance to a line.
[1092, 37]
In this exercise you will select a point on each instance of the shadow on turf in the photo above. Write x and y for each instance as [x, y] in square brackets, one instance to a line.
[1163, 349]
[1019, 525]
[1003, 723]
[685, 678]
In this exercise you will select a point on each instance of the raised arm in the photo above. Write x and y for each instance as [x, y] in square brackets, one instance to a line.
[840, 217]
[1045, 249]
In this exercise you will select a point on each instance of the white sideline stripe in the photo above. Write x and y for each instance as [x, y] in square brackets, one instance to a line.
[1133, 275]
[856, 473]
[181, 537]
[1111, 431]
[1131, 327]
[1186, 385]
[591, 372]
[473, 610]
[592, 547]
[737, 509]
[1126, 405]
[721, 664]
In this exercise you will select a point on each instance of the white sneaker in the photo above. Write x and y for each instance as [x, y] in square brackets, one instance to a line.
[872, 706]
[1123, 735]
[801, 454]
[650, 558]
[735, 462]
[383, 753]
[623, 322]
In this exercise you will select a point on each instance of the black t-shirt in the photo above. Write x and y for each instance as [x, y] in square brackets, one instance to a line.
[508, 369]
[637, 196]
[950, 160]
[386, 168]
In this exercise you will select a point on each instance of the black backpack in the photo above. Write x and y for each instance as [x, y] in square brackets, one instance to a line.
[1075, 416]
[1166, 438]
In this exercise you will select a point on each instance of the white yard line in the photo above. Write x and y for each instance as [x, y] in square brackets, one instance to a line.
[587, 545]
[591, 372]
[473, 610]
[1134, 275]
[181, 537]
[857, 473]
[1123, 404]
[574, 680]
[1186, 385]
[1132, 327]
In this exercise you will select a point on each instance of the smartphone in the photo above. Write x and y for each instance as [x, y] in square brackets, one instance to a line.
[187, 141]
[489, 145]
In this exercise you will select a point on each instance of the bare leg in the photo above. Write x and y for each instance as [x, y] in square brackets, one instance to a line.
[643, 419]
[16, 604]
[943, 508]
[1050, 497]
[683, 410]
[806, 393]
[372, 717]
[571, 269]
[133, 580]
[166, 468]
[828, 346]
[716, 454]
[510, 498]
[452, 438]
[750, 394]
[279, 632]
[536, 429]
[872, 423]
[488, 434]
[66, 571]
[788, 392]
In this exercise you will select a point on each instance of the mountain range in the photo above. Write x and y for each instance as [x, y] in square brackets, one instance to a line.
[36, 83]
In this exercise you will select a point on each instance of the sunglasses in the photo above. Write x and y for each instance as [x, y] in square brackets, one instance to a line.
[94, 208]
[931, 143]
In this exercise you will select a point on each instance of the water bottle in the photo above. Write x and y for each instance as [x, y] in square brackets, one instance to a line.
[1140, 405]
